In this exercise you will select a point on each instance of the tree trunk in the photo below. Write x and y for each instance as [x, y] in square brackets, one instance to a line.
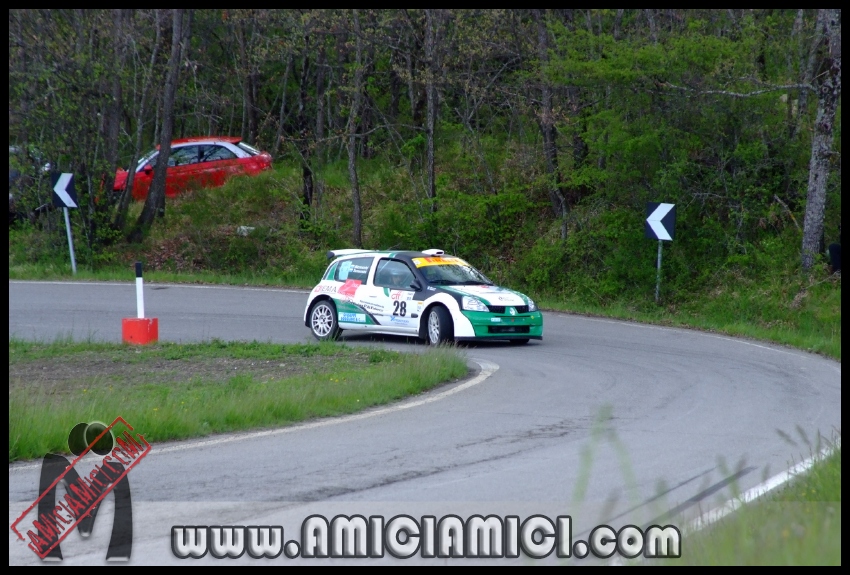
[431, 97]
[411, 89]
[356, 95]
[320, 99]
[650, 17]
[282, 116]
[155, 202]
[547, 127]
[618, 19]
[395, 87]
[829, 93]
[127, 194]
[304, 137]
[366, 120]
[113, 110]
[249, 80]
[809, 69]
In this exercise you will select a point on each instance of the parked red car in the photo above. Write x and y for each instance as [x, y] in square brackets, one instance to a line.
[197, 163]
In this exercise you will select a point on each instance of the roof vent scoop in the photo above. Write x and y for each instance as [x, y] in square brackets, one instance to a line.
[433, 252]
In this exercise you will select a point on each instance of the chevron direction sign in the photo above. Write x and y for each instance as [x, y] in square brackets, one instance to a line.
[660, 221]
[64, 194]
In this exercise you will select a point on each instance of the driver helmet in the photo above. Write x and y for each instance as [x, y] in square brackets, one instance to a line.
[430, 273]
[397, 277]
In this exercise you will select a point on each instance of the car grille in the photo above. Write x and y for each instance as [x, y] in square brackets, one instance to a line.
[501, 308]
[507, 329]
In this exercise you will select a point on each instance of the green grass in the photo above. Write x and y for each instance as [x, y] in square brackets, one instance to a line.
[796, 312]
[54, 272]
[798, 525]
[175, 391]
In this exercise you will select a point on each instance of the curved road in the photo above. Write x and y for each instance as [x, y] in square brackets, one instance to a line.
[605, 421]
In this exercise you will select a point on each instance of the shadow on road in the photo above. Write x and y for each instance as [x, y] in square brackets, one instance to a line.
[402, 339]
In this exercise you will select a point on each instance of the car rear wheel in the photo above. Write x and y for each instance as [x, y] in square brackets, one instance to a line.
[323, 322]
[440, 328]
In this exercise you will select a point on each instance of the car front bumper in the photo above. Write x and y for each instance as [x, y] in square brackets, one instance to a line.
[485, 325]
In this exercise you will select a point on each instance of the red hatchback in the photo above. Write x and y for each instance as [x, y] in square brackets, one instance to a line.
[197, 163]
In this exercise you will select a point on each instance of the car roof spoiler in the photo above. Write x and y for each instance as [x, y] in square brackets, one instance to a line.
[337, 253]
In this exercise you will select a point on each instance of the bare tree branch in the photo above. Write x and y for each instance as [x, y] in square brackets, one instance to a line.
[731, 94]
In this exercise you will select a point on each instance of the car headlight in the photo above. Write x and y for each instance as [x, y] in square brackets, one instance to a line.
[531, 305]
[473, 304]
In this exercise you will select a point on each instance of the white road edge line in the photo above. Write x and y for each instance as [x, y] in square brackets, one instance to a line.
[487, 369]
[714, 515]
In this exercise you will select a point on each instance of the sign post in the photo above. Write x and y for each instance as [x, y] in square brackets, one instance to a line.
[65, 196]
[660, 225]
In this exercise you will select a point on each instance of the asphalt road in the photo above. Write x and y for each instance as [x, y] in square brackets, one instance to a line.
[606, 421]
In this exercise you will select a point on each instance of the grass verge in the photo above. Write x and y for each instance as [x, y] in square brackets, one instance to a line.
[174, 391]
[797, 312]
[57, 273]
[798, 525]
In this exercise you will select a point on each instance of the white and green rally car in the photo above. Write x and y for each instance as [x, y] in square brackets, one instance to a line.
[430, 295]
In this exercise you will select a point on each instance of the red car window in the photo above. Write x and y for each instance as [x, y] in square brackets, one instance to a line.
[215, 153]
[183, 156]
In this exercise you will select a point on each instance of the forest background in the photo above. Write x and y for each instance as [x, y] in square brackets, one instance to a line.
[526, 141]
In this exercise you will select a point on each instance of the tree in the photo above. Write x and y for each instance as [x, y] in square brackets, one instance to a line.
[127, 193]
[829, 94]
[433, 24]
[302, 125]
[155, 202]
[356, 95]
[246, 31]
[547, 126]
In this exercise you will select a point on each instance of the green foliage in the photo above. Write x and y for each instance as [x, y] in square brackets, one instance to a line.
[413, 146]
[542, 268]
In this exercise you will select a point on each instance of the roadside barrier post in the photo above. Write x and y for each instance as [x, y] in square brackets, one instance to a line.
[140, 330]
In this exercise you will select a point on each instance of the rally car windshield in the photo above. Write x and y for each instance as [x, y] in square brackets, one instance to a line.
[455, 274]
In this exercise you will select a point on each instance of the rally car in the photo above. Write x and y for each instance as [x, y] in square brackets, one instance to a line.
[430, 295]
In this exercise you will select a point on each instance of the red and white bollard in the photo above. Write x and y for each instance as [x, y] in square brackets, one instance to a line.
[140, 330]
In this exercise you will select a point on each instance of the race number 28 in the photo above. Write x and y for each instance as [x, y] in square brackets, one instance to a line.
[400, 308]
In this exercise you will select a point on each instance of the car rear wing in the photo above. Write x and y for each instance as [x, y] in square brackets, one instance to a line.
[337, 253]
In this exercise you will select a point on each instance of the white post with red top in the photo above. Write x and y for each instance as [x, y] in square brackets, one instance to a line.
[140, 330]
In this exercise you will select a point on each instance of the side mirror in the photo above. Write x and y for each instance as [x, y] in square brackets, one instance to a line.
[147, 169]
[416, 285]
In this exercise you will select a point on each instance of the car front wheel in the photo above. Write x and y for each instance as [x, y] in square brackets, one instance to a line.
[440, 328]
[323, 322]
